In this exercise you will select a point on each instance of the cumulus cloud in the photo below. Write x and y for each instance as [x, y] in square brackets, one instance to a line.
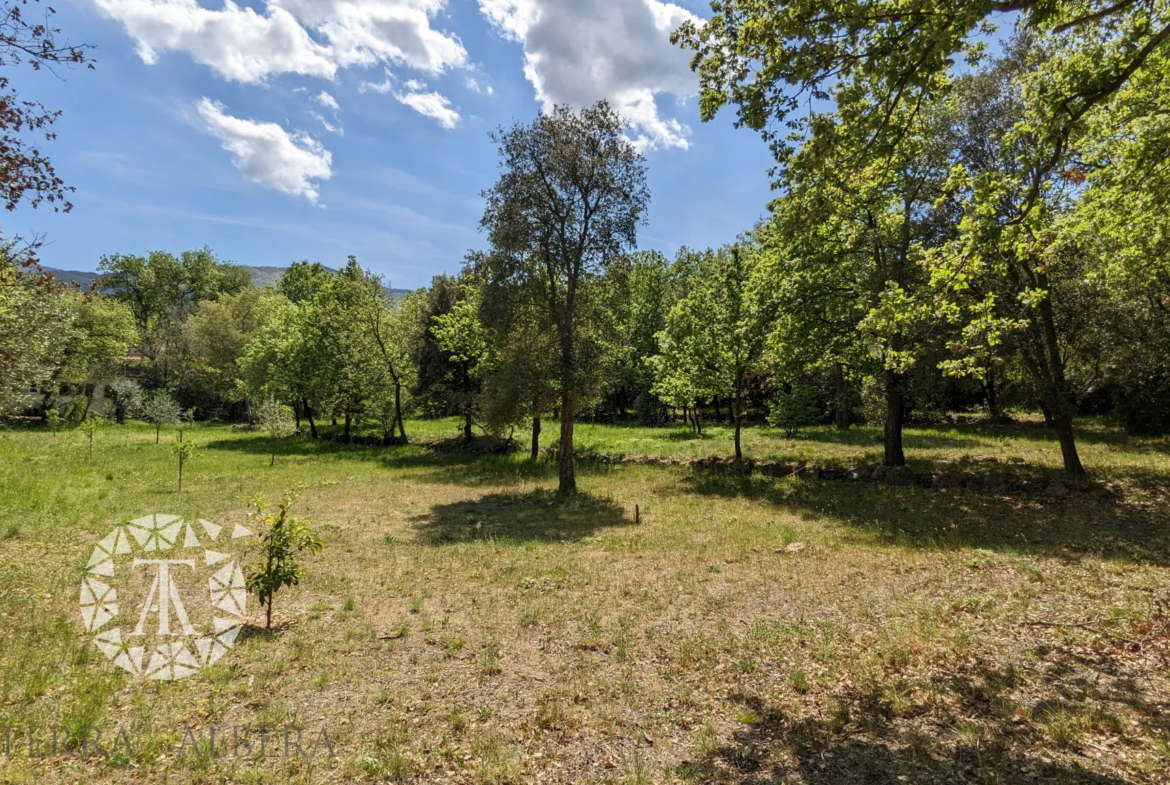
[432, 105]
[245, 46]
[267, 154]
[579, 51]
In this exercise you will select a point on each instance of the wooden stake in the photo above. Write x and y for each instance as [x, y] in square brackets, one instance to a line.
[637, 514]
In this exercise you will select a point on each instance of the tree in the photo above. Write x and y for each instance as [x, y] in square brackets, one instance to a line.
[184, 452]
[445, 384]
[886, 63]
[286, 358]
[392, 324]
[564, 210]
[126, 395]
[91, 426]
[282, 539]
[215, 337]
[275, 419]
[36, 323]
[715, 336]
[159, 408]
[460, 335]
[25, 173]
[520, 383]
[162, 291]
[95, 349]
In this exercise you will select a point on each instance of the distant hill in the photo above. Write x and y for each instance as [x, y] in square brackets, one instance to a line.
[261, 276]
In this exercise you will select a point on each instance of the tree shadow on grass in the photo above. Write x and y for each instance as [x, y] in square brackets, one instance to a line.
[861, 742]
[982, 722]
[522, 517]
[1081, 524]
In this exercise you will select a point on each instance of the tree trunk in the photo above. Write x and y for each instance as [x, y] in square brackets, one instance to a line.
[895, 410]
[698, 422]
[398, 411]
[296, 407]
[272, 460]
[1068, 446]
[467, 425]
[536, 435]
[157, 430]
[737, 415]
[567, 477]
[309, 416]
[120, 414]
[991, 393]
[268, 619]
[345, 437]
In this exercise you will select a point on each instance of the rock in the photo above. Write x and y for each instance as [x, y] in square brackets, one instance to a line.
[879, 473]
[792, 547]
[900, 475]
[1056, 488]
[858, 473]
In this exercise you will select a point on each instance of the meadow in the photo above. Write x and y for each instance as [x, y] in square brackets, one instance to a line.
[465, 624]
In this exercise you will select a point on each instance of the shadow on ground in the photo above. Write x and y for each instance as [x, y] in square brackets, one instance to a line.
[1085, 522]
[523, 517]
[874, 733]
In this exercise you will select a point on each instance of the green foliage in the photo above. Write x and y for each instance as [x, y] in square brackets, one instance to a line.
[159, 408]
[282, 539]
[715, 336]
[797, 408]
[90, 426]
[126, 395]
[183, 451]
[275, 419]
[565, 209]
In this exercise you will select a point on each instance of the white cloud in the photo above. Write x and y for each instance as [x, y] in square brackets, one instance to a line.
[579, 51]
[267, 154]
[245, 46]
[382, 87]
[330, 127]
[432, 105]
[474, 86]
[329, 102]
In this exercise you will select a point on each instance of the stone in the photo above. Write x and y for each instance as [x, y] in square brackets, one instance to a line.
[879, 473]
[858, 473]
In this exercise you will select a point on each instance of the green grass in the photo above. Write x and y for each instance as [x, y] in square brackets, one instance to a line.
[466, 622]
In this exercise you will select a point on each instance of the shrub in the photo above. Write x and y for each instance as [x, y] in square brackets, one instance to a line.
[795, 409]
[282, 539]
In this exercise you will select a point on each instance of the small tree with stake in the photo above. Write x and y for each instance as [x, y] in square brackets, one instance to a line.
[184, 451]
[274, 418]
[282, 539]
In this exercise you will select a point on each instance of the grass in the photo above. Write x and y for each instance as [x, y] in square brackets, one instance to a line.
[466, 624]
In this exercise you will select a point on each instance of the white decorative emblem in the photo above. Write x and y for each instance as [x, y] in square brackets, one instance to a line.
[159, 563]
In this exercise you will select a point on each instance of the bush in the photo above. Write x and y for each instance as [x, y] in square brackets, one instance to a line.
[795, 409]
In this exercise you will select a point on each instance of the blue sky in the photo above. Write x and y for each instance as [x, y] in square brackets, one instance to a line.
[205, 124]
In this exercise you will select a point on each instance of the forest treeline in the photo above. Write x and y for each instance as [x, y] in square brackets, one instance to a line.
[991, 236]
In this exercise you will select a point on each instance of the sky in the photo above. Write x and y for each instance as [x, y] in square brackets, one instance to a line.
[279, 130]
